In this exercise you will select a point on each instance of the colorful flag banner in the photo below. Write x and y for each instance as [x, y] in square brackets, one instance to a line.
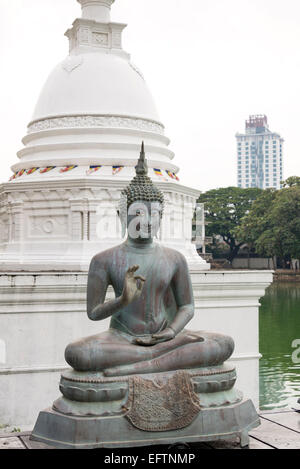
[67, 168]
[47, 169]
[93, 169]
[13, 177]
[20, 173]
[157, 172]
[172, 175]
[31, 171]
[116, 169]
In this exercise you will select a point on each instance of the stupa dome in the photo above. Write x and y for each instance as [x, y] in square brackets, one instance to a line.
[80, 151]
[94, 109]
[95, 84]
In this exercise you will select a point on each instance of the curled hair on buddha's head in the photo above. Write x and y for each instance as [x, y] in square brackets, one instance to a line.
[141, 188]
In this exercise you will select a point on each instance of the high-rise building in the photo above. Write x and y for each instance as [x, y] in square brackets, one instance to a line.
[259, 155]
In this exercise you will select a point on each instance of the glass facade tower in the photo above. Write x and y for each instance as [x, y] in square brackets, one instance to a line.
[259, 155]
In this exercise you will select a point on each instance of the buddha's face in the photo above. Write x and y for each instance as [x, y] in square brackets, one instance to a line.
[143, 219]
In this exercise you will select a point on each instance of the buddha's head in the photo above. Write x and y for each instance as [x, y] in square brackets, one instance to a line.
[141, 204]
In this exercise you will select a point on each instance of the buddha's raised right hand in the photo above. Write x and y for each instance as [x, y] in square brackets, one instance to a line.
[133, 285]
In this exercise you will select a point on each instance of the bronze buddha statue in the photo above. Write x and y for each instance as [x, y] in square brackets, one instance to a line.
[147, 380]
[151, 309]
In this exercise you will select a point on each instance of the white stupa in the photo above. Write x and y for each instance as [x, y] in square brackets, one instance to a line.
[80, 151]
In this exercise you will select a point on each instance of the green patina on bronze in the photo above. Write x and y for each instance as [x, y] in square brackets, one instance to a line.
[147, 380]
[151, 309]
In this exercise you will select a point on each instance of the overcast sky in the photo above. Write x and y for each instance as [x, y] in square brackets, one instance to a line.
[208, 63]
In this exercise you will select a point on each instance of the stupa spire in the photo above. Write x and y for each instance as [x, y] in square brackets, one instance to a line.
[97, 10]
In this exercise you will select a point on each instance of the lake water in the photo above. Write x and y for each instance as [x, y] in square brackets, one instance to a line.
[279, 327]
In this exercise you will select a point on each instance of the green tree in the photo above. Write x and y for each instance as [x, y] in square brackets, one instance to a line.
[291, 181]
[224, 210]
[256, 221]
[273, 224]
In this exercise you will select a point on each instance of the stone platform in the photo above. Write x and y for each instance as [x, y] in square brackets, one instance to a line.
[182, 406]
[279, 429]
[221, 423]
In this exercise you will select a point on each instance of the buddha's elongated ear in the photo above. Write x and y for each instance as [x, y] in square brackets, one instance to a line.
[122, 214]
[158, 233]
[124, 228]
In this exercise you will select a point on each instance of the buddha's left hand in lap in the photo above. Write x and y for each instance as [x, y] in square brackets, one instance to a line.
[163, 336]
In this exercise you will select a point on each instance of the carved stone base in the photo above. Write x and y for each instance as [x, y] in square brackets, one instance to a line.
[140, 410]
[219, 423]
[86, 393]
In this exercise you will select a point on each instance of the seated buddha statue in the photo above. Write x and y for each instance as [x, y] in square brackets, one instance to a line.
[153, 299]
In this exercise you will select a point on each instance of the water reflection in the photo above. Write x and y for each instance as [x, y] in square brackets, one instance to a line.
[279, 326]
